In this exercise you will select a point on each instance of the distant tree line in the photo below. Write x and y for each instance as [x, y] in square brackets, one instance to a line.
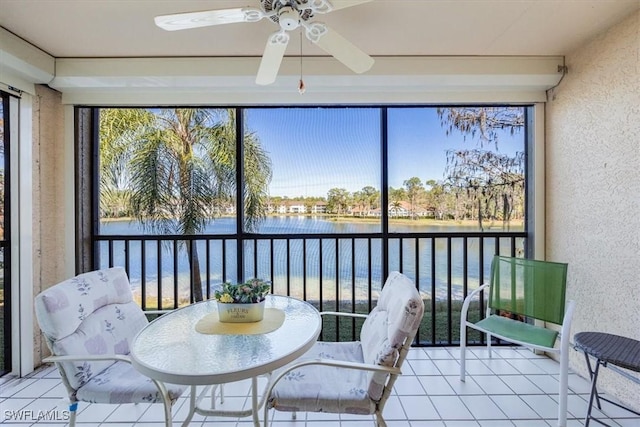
[417, 199]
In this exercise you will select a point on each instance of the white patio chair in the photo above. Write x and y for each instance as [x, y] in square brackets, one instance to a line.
[88, 322]
[354, 377]
[522, 291]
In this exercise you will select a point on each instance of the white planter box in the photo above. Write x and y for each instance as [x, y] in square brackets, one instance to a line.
[238, 313]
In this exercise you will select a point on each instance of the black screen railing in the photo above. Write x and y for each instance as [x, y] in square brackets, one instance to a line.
[334, 272]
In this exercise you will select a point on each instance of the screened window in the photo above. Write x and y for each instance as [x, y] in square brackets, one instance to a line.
[311, 170]
[456, 169]
[167, 171]
[327, 201]
[325, 166]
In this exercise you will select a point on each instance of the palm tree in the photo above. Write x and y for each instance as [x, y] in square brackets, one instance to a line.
[181, 171]
[118, 128]
[396, 196]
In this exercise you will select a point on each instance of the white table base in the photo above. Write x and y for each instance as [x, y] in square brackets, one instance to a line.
[196, 398]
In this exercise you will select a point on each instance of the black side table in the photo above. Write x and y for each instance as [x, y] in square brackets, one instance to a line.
[607, 349]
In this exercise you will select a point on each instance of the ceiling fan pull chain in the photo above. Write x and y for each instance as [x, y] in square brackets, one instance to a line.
[301, 87]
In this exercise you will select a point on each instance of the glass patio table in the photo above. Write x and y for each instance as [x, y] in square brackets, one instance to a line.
[171, 350]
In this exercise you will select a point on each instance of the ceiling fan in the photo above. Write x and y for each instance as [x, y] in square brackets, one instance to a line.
[289, 15]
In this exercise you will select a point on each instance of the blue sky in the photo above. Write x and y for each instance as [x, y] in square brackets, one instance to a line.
[315, 149]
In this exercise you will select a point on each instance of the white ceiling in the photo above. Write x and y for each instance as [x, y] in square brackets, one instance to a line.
[125, 28]
[110, 52]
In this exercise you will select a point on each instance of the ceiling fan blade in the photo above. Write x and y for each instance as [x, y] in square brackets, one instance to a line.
[272, 57]
[326, 6]
[339, 47]
[341, 4]
[183, 21]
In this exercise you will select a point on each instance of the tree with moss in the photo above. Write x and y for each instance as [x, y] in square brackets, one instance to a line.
[491, 183]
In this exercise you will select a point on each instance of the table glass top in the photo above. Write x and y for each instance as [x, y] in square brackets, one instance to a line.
[170, 349]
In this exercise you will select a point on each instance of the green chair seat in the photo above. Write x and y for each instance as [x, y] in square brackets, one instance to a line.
[511, 329]
[529, 289]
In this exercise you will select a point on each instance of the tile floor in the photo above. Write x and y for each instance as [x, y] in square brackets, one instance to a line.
[515, 388]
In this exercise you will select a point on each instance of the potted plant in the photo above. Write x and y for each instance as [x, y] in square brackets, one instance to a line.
[242, 302]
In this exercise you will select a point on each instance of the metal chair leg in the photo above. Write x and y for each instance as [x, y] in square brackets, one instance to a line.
[380, 422]
[563, 383]
[73, 408]
[463, 348]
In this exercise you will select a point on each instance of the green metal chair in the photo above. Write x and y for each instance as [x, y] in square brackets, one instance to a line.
[524, 296]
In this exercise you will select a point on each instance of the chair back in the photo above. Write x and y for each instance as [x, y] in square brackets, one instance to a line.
[390, 328]
[529, 288]
[90, 314]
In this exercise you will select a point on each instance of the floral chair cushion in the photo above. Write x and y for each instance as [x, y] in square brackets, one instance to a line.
[121, 383]
[93, 313]
[396, 316]
[318, 388]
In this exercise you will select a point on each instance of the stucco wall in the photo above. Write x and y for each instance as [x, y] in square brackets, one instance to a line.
[48, 196]
[593, 188]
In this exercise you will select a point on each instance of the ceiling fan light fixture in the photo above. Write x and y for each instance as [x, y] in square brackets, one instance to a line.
[289, 18]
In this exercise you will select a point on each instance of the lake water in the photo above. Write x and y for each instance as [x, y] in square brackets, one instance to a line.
[293, 225]
[358, 261]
